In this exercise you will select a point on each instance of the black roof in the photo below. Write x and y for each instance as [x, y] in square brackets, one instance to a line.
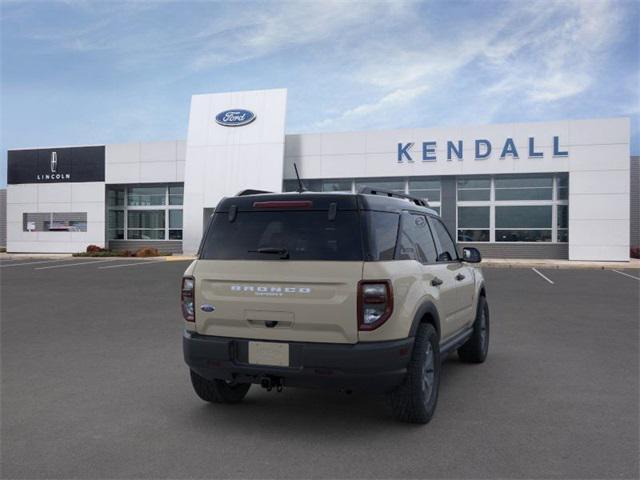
[323, 200]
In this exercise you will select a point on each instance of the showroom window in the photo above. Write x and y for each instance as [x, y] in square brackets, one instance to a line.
[421, 187]
[147, 212]
[54, 222]
[474, 189]
[390, 184]
[474, 224]
[428, 189]
[513, 208]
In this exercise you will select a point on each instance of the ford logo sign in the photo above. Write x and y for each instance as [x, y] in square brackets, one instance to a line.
[235, 118]
[207, 308]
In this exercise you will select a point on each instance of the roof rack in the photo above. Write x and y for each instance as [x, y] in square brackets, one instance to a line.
[250, 191]
[378, 191]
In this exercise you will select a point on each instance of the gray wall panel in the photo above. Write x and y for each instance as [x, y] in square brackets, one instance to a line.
[448, 204]
[635, 201]
[3, 218]
[559, 251]
[163, 246]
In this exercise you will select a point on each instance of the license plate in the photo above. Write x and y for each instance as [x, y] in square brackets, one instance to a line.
[269, 353]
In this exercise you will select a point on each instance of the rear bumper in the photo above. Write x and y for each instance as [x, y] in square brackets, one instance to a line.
[370, 366]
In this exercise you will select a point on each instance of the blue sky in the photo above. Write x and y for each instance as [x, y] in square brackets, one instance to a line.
[94, 72]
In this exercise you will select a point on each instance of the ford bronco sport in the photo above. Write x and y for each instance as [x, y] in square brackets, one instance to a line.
[349, 291]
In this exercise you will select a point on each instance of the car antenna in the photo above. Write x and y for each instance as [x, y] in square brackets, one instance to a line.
[301, 187]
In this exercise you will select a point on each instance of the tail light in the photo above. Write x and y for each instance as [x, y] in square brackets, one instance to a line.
[375, 303]
[187, 299]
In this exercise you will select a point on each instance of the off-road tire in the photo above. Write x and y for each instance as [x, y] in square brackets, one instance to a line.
[476, 348]
[218, 391]
[414, 401]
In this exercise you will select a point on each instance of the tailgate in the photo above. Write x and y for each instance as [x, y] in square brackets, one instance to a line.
[307, 301]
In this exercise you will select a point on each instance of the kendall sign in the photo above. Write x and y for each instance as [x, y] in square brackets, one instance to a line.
[482, 150]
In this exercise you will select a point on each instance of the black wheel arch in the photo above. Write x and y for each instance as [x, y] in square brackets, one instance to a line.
[426, 313]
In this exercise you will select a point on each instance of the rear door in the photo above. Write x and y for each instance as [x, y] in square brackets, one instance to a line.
[280, 273]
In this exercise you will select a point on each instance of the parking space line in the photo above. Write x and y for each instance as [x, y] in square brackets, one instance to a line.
[73, 264]
[546, 278]
[626, 274]
[32, 263]
[141, 262]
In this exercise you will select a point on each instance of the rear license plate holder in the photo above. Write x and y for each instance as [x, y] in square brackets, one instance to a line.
[273, 354]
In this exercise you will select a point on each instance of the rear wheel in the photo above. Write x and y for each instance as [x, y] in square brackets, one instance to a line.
[415, 400]
[218, 391]
[476, 348]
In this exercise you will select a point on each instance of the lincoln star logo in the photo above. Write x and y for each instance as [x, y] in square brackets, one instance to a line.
[54, 174]
[235, 118]
[269, 291]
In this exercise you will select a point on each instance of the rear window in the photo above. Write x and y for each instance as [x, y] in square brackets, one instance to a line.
[305, 235]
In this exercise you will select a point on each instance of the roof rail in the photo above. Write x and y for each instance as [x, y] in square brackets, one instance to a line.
[387, 193]
[250, 191]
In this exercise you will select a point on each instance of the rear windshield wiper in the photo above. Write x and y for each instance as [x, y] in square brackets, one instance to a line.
[283, 252]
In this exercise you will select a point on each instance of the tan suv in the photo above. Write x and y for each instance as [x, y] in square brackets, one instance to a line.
[349, 291]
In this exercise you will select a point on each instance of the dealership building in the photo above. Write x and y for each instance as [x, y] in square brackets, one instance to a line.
[561, 190]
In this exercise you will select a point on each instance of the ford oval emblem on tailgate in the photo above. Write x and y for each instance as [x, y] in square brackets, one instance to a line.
[207, 308]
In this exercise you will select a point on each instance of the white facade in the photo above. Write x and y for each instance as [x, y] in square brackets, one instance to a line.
[218, 160]
[225, 160]
[597, 161]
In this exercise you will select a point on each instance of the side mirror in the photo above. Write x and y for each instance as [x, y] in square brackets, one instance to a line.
[471, 255]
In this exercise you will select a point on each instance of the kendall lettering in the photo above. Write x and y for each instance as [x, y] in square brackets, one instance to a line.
[482, 150]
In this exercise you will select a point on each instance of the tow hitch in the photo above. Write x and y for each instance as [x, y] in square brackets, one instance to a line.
[269, 383]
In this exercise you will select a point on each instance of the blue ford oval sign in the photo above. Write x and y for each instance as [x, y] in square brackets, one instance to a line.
[235, 118]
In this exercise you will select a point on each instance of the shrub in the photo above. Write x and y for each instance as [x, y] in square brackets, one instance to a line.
[635, 251]
[95, 248]
[147, 252]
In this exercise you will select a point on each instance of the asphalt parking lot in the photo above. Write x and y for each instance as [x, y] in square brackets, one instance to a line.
[94, 386]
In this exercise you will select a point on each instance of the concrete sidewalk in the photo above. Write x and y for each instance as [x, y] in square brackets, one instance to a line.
[634, 263]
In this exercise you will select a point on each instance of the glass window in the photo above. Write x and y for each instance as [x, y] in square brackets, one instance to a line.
[307, 235]
[145, 219]
[54, 222]
[428, 189]
[563, 223]
[563, 187]
[523, 235]
[538, 216]
[466, 235]
[473, 217]
[116, 219]
[145, 224]
[383, 232]
[145, 234]
[176, 194]
[336, 185]
[446, 248]
[144, 196]
[115, 197]
[416, 242]
[523, 188]
[175, 218]
[473, 224]
[390, 184]
[474, 189]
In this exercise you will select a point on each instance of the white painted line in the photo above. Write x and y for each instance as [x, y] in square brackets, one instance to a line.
[73, 264]
[626, 275]
[141, 262]
[546, 278]
[32, 263]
